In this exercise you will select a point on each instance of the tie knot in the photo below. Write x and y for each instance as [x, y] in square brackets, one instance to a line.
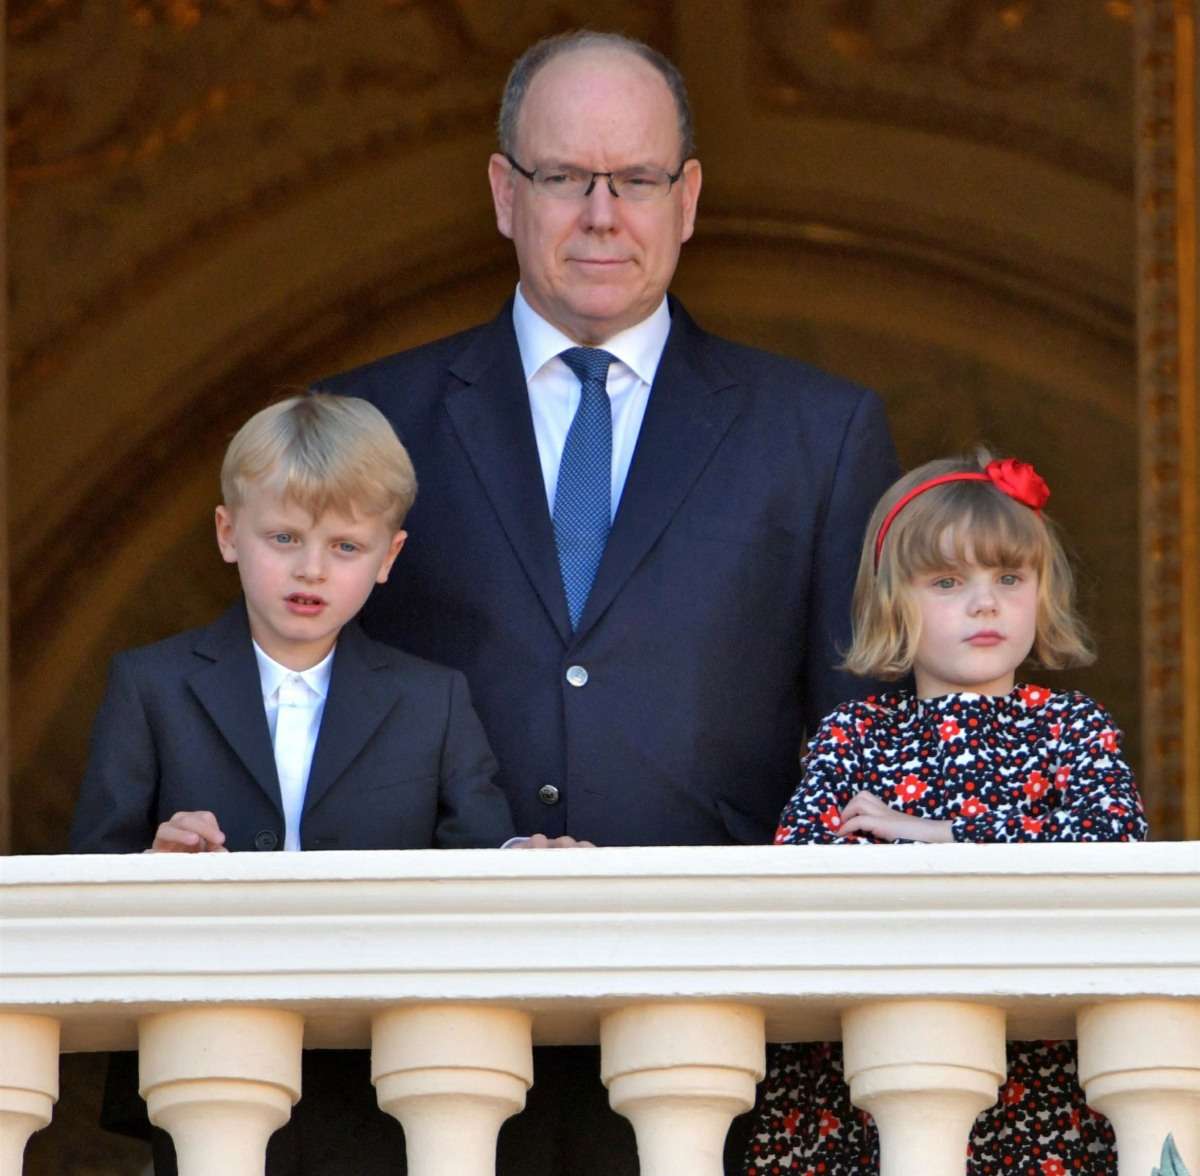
[588, 363]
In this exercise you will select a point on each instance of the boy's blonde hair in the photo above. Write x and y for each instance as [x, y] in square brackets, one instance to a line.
[327, 453]
[944, 526]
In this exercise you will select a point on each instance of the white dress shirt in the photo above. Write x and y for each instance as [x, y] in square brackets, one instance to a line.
[294, 702]
[554, 389]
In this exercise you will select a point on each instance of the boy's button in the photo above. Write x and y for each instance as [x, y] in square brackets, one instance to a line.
[577, 676]
[265, 840]
[548, 794]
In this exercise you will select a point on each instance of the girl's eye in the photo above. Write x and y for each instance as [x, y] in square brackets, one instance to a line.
[1009, 579]
[946, 582]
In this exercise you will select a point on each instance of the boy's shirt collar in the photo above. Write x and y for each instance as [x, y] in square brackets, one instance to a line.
[271, 674]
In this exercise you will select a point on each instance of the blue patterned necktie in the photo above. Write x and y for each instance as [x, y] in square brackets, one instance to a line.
[583, 497]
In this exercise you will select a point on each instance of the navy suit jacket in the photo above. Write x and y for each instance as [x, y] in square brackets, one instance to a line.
[401, 760]
[718, 609]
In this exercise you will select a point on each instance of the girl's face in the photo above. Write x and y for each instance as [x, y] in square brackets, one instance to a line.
[977, 625]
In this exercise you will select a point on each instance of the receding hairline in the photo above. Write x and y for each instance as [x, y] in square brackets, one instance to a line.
[532, 64]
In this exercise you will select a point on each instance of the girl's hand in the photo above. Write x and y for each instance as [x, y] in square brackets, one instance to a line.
[866, 813]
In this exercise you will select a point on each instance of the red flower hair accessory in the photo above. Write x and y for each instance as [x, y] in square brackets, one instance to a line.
[1017, 479]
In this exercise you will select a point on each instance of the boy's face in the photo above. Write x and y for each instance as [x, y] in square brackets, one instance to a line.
[303, 578]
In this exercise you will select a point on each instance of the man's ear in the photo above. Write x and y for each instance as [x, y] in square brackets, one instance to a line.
[500, 177]
[393, 551]
[225, 540]
[690, 183]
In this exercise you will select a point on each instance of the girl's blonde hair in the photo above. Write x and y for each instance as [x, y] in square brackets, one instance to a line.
[947, 525]
[325, 453]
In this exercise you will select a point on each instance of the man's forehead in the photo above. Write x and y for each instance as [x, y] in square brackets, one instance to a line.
[579, 91]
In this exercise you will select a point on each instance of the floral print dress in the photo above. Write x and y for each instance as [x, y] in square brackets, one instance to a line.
[1030, 765]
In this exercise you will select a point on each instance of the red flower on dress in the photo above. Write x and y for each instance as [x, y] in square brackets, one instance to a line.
[1108, 740]
[1012, 1093]
[831, 819]
[839, 735]
[911, 788]
[1062, 777]
[1031, 824]
[1055, 730]
[949, 729]
[1033, 695]
[972, 807]
[1053, 1167]
[1037, 785]
[829, 1123]
[790, 1120]
[1019, 480]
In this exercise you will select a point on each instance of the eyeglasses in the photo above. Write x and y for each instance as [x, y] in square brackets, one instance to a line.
[576, 183]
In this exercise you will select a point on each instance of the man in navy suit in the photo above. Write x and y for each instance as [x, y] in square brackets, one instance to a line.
[666, 702]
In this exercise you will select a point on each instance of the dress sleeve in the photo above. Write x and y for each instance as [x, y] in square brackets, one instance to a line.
[832, 773]
[1086, 793]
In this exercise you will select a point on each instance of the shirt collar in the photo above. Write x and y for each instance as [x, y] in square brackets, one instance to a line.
[639, 347]
[271, 674]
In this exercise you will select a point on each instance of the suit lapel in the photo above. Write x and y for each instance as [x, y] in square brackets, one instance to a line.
[360, 697]
[490, 414]
[685, 421]
[227, 685]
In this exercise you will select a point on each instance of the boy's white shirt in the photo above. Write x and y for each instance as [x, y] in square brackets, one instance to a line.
[300, 696]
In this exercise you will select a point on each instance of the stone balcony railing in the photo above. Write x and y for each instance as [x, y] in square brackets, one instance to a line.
[678, 961]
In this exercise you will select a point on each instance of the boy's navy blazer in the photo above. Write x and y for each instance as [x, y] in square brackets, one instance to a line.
[401, 760]
[715, 620]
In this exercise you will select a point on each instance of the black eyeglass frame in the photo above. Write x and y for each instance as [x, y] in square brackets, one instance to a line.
[596, 175]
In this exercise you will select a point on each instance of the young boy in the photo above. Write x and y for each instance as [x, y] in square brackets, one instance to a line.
[282, 726]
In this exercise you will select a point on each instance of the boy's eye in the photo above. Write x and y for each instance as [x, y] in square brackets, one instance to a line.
[283, 537]
[347, 548]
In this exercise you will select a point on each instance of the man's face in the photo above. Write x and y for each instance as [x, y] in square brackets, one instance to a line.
[596, 265]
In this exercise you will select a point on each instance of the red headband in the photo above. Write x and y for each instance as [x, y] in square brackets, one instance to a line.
[1017, 479]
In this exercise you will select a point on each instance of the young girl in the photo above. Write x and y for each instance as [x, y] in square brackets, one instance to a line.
[961, 579]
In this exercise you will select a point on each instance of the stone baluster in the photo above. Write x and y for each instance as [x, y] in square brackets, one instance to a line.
[28, 1083]
[451, 1074]
[679, 1073]
[220, 1080]
[1139, 1064]
[924, 1069]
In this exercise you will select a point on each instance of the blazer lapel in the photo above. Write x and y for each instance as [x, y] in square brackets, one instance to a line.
[227, 685]
[490, 413]
[685, 421]
[360, 697]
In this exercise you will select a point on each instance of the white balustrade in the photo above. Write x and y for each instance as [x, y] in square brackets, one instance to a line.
[924, 1069]
[28, 1083]
[676, 959]
[679, 1073]
[1139, 1064]
[451, 1072]
[220, 1080]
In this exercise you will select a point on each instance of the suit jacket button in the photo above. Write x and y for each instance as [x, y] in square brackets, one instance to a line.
[266, 840]
[548, 794]
[577, 676]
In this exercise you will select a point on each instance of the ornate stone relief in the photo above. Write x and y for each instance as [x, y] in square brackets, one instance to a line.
[137, 130]
[1041, 77]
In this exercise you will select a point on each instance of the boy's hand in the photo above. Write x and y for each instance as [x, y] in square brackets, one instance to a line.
[541, 841]
[866, 813]
[189, 833]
